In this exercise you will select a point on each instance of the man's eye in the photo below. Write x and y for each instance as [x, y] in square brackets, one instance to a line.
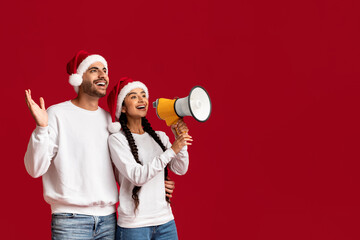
[93, 70]
[144, 96]
[133, 97]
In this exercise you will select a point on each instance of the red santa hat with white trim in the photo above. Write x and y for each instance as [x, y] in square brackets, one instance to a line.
[79, 64]
[116, 99]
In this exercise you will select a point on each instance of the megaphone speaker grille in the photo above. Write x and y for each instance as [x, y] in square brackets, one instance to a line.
[199, 104]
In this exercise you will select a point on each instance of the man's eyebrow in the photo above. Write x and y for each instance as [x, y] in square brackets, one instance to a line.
[93, 68]
[96, 68]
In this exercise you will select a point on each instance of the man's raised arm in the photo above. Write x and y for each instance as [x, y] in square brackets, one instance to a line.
[39, 151]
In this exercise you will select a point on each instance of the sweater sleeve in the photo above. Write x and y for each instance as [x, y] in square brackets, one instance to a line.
[180, 163]
[41, 149]
[124, 161]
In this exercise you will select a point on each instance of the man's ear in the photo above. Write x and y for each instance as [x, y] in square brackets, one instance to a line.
[123, 109]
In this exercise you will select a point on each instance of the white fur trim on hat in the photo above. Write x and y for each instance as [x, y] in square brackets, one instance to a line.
[124, 91]
[114, 127]
[76, 79]
[85, 64]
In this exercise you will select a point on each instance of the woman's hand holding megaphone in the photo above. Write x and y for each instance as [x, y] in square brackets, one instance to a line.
[179, 127]
[183, 140]
[182, 137]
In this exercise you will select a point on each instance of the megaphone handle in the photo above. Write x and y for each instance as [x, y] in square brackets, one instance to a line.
[176, 129]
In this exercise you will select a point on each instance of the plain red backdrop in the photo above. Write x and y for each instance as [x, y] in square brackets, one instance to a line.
[279, 156]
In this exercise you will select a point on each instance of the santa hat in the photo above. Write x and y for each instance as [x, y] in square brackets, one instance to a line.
[116, 98]
[79, 64]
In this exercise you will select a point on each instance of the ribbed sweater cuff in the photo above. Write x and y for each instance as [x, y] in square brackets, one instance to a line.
[41, 130]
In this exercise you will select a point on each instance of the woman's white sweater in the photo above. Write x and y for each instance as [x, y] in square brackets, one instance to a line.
[153, 208]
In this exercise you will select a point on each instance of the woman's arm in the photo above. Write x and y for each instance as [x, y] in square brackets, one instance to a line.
[180, 163]
[124, 161]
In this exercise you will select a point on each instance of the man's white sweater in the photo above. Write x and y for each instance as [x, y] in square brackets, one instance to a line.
[72, 156]
[153, 208]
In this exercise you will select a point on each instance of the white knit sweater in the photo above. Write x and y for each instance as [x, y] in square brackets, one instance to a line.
[72, 156]
[153, 208]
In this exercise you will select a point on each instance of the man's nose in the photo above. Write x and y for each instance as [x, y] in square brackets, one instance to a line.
[102, 74]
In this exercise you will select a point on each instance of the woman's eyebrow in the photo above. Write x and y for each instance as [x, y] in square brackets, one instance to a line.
[135, 92]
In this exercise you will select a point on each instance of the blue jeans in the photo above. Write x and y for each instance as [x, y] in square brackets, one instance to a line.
[79, 226]
[165, 231]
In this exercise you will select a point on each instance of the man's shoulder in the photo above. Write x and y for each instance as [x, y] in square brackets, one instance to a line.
[66, 108]
[58, 106]
[105, 112]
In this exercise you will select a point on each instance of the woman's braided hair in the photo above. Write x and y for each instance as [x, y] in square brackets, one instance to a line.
[134, 150]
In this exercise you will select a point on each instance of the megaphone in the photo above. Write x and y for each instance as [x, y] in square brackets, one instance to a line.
[197, 105]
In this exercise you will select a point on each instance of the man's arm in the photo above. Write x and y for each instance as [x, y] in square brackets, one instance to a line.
[39, 152]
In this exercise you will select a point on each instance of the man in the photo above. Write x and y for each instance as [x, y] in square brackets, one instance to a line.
[68, 148]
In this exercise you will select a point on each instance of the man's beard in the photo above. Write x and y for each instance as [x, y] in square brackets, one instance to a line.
[90, 90]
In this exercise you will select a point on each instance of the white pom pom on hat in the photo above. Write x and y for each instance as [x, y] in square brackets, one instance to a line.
[79, 64]
[116, 98]
[75, 80]
[114, 127]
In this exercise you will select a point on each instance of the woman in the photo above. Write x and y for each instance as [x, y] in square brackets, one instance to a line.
[141, 155]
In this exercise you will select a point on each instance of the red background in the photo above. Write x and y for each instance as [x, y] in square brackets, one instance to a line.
[278, 158]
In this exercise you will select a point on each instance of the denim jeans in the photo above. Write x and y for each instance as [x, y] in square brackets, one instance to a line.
[165, 231]
[79, 226]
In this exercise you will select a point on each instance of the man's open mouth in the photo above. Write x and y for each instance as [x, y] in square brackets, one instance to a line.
[140, 107]
[100, 83]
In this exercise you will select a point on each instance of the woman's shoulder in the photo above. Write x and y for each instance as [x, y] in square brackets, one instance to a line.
[160, 133]
[118, 136]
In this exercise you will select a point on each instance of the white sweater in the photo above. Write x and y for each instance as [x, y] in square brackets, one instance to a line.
[72, 156]
[153, 208]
